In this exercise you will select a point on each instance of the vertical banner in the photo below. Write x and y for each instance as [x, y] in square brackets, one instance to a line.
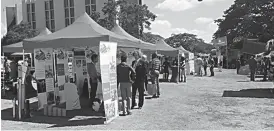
[61, 69]
[44, 75]
[71, 69]
[108, 52]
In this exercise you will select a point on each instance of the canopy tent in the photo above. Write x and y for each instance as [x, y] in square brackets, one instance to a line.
[251, 47]
[84, 32]
[18, 47]
[183, 50]
[120, 31]
[163, 48]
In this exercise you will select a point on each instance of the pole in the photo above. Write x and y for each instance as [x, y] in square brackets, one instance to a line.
[226, 53]
[178, 67]
[14, 108]
[19, 98]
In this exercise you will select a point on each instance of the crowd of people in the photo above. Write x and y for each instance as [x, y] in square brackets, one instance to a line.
[203, 64]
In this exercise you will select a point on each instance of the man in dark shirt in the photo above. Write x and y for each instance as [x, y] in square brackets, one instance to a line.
[166, 66]
[211, 65]
[238, 65]
[94, 77]
[252, 66]
[123, 78]
[155, 72]
[140, 68]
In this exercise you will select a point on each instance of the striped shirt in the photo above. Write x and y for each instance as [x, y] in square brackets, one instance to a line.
[156, 63]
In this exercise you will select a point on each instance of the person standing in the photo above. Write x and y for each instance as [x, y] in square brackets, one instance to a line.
[205, 66]
[199, 64]
[211, 65]
[155, 72]
[252, 66]
[94, 77]
[166, 66]
[144, 58]
[264, 67]
[140, 68]
[124, 72]
[182, 70]
[238, 65]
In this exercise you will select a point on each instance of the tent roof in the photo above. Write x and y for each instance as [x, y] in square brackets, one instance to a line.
[183, 50]
[18, 47]
[161, 45]
[120, 31]
[83, 32]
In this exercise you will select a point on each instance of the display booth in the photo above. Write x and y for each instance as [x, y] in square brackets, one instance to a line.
[164, 49]
[62, 71]
[190, 59]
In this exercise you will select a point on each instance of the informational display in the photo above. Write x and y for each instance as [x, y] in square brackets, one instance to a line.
[43, 59]
[108, 54]
[71, 69]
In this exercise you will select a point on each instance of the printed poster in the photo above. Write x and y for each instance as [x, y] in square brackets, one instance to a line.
[71, 69]
[108, 53]
[62, 63]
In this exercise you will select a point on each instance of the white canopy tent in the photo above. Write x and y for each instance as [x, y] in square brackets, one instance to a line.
[120, 31]
[84, 32]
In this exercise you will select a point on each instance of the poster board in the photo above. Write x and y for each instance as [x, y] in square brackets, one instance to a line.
[108, 54]
[43, 59]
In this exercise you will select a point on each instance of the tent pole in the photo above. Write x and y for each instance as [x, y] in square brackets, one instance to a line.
[178, 67]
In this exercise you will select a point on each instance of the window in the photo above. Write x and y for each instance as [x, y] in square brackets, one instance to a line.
[90, 6]
[31, 15]
[140, 2]
[69, 12]
[49, 13]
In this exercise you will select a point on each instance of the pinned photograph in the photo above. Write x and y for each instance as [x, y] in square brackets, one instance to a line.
[50, 97]
[49, 71]
[78, 63]
[60, 69]
[84, 63]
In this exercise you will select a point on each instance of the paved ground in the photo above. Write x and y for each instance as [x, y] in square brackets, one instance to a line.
[197, 104]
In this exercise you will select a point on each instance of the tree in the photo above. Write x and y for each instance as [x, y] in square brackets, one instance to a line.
[133, 18]
[18, 33]
[151, 38]
[190, 42]
[247, 19]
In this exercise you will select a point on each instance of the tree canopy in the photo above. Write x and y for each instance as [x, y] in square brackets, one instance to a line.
[247, 19]
[190, 42]
[133, 18]
[18, 33]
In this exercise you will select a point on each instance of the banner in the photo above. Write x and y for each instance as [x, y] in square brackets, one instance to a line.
[71, 69]
[43, 59]
[108, 52]
[222, 41]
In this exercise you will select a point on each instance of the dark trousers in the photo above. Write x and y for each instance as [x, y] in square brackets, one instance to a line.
[138, 85]
[252, 75]
[211, 71]
[205, 69]
[93, 92]
[238, 68]
[146, 83]
[166, 74]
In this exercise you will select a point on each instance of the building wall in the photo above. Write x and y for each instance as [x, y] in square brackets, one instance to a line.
[59, 11]
[10, 8]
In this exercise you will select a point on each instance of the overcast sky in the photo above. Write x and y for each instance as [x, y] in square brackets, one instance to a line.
[191, 16]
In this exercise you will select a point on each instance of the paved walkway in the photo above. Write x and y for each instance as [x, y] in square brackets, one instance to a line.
[197, 104]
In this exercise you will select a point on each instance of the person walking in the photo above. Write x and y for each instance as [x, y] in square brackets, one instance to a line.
[140, 68]
[205, 66]
[155, 72]
[252, 66]
[123, 78]
[94, 77]
[238, 65]
[166, 66]
[211, 65]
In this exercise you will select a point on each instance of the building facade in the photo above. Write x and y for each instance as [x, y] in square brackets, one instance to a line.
[57, 14]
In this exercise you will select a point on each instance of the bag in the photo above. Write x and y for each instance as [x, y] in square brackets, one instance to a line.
[151, 89]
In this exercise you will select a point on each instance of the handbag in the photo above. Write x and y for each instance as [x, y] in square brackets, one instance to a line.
[151, 89]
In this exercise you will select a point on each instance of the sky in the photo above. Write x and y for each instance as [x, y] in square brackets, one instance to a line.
[186, 16]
